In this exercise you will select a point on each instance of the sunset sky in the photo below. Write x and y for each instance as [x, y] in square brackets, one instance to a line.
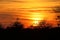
[29, 11]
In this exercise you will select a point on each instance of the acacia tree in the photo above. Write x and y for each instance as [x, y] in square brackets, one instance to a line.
[1, 27]
[57, 11]
[44, 24]
[17, 24]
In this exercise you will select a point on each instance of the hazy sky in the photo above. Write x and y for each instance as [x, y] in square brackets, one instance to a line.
[31, 0]
[9, 9]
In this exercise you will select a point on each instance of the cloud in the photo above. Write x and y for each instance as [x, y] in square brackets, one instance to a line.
[54, 0]
[56, 9]
[5, 16]
[48, 0]
[12, 1]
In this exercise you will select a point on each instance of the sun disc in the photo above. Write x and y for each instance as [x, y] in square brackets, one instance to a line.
[36, 17]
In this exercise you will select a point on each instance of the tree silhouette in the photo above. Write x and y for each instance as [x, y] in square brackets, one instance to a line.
[56, 9]
[58, 22]
[58, 17]
[17, 26]
[0, 25]
[17, 23]
[44, 24]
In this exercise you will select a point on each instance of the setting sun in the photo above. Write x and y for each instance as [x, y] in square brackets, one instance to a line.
[30, 12]
[36, 18]
[35, 23]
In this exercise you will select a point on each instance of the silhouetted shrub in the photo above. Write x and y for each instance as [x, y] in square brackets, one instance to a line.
[57, 9]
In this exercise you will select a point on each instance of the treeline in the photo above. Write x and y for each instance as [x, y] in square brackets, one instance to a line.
[18, 27]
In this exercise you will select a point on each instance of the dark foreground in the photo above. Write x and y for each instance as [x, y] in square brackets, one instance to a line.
[42, 33]
[46, 32]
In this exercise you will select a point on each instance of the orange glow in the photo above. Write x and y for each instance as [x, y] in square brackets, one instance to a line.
[36, 18]
[35, 23]
[30, 12]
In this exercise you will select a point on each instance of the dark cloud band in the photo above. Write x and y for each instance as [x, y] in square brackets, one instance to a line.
[13, 1]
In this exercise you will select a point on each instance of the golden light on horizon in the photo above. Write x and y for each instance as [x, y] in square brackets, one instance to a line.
[29, 11]
[36, 18]
[35, 23]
